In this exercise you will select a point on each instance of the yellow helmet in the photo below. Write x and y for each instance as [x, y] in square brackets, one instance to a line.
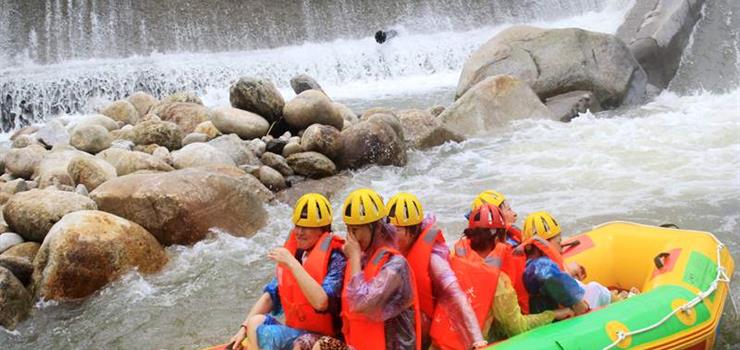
[363, 206]
[312, 210]
[488, 196]
[404, 209]
[541, 224]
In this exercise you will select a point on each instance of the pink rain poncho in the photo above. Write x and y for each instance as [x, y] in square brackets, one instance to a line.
[388, 296]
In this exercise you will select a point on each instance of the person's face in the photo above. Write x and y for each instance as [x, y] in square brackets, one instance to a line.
[306, 237]
[363, 234]
[555, 242]
[509, 214]
[405, 236]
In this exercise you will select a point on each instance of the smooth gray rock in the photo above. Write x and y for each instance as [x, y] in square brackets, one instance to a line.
[246, 124]
[312, 164]
[8, 240]
[303, 82]
[311, 107]
[555, 61]
[371, 142]
[277, 162]
[259, 96]
[491, 104]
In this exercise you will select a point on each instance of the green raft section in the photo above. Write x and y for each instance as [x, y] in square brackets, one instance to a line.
[588, 331]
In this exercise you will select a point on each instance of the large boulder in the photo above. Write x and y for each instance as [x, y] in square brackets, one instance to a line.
[323, 139]
[347, 114]
[657, 32]
[15, 301]
[53, 133]
[22, 162]
[142, 102]
[312, 164]
[32, 213]
[97, 119]
[258, 96]
[122, 111]
[422, 130]
[200, 154]
[491, 104]
[247, 125]
[88, 249]
[555, 61]
[180, 207]
[240, 151]
[127, 162]
[271, 178]
[90, 171]
[186, 115]
[371, 142]
[303, 82]
[166, 134]
[52, 169]
[311, 107]
[90, 138]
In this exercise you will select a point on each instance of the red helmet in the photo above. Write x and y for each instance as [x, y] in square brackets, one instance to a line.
[486, 216]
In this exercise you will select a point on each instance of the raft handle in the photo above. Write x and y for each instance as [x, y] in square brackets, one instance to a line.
[658, 259]
[670, 226]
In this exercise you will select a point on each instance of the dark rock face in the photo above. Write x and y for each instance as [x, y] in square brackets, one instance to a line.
[657, 32]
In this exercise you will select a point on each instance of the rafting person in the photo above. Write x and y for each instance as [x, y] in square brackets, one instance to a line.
[513, 234]
[307, 286]
[476, 260]
[379, 302]
[423, 245]
[512, 264]
[549, 281]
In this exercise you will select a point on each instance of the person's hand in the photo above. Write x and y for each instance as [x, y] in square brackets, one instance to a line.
[238, 338]
[480, 345]
[581, 307]
[563, 313]
[351, 248]
[576, 270]
[282, 256]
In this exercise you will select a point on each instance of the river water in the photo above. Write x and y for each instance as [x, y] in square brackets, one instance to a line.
[674, 160]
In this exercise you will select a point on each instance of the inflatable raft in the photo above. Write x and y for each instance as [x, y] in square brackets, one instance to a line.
[683, 276]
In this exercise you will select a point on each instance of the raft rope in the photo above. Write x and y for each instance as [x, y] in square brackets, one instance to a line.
[721, 277]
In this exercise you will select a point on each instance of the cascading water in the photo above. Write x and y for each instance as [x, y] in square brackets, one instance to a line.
[673, 160]
[47, 31]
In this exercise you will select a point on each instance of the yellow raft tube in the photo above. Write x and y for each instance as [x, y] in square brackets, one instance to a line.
[684, 278]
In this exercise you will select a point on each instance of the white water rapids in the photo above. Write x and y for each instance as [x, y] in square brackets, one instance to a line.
[674, 160]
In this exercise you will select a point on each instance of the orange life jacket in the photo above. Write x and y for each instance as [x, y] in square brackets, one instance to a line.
[360, 332]
[299, 313]
[418, 258]
[546, 248]
[478, 278]
[515, 234]
[515, 261]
